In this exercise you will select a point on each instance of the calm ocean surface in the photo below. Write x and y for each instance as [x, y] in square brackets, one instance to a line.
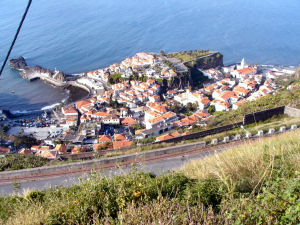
[79, 35]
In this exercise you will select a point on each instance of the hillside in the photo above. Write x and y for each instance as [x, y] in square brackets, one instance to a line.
[281, 97]
[254, 183]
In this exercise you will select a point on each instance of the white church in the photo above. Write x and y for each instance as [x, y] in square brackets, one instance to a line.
[239, 66]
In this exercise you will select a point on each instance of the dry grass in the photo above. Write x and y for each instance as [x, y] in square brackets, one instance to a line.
[31, 216]
[253, 160]
[144, 199]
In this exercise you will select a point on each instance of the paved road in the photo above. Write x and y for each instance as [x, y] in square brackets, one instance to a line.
[158, 167]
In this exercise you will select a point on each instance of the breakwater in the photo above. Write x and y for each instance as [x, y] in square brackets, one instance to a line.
[54, 77]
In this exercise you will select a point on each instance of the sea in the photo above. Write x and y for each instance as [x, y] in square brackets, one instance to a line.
[79, 35]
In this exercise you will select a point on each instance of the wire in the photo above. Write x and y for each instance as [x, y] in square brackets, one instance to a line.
[16, 36]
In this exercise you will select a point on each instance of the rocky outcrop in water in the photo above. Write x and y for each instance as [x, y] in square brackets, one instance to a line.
[37, 72]
[18, 64]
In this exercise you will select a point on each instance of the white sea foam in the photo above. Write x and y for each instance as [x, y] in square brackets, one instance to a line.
[24, 112]
[49, 107]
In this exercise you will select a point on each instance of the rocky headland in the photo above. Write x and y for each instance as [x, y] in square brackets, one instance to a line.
[53, 77]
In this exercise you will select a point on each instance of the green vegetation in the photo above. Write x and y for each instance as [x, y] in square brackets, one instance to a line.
[159, 81]
[281, 98]
[135, 76]
[276, 122]
[211, 109]
[187, 110]
[115, 78]
[257, 183]
[3, 132]
[169, 64]
[185, 56]
[19, 162]
[197, 77]
[24, 141]
[116, 104]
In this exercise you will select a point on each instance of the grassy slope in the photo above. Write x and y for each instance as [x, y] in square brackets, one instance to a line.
[186, 56]
[254, 183]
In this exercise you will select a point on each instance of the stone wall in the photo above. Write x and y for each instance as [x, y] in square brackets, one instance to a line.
[248, 119]
[204, 133]
[263, 115]
[292, 112]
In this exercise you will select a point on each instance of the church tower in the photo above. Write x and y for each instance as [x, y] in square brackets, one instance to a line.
[243, 64]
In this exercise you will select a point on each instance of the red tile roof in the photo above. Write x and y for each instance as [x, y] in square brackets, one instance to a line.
[129, 121]
[25, 151]
[69, 110]
[119, 137]
[122, 144]
[246, 71]
[104, 138]
[168, 136]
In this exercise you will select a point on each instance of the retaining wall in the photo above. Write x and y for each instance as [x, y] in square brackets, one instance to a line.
[263, 115]
[255, 117]
[248, 119]
[292, 112]
[204, 133]
[131, 157]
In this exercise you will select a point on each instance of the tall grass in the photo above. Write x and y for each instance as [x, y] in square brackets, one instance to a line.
[249, 165]
[257, 183]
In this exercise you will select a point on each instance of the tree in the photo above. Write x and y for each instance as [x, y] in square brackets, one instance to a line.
[26, 141]
[115, 78]
[104, 147]
[175, 108]
[137, 127]
[190, 107]
[211, 109]
[2, 134]
[5, 128]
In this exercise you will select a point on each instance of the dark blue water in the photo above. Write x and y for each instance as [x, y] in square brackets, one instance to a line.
[79, 35]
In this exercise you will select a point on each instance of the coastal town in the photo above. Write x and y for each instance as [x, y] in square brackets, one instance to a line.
[136, 102]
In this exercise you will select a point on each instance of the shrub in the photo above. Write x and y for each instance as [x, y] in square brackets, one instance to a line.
[18, 162]
[256, 183]
[278, 203]
[36, 196]
[207, 192]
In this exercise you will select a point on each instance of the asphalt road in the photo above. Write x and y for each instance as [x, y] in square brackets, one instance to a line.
[157, 167]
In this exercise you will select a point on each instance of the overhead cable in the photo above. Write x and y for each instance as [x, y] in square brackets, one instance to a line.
[16, 36]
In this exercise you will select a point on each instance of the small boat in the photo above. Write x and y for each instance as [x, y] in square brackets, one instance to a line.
[12, 92]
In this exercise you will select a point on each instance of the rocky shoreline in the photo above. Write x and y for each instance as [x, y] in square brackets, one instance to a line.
[55, 78]
[30, 73]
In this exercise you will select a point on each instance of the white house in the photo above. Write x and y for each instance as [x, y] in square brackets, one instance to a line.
[69, 111]
[112, 120]
[220, 105]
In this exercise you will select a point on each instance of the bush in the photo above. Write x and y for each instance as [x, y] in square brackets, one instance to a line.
[253, 184]
[25, 141]
[278, 203]
[18, 162]
[36, 196]
[8, 206]
[207, 192]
